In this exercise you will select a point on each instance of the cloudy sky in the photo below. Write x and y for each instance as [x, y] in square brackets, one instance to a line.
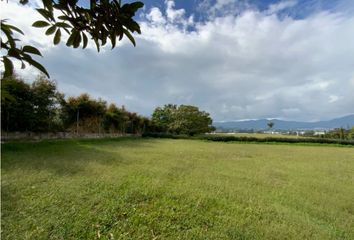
[237, 59]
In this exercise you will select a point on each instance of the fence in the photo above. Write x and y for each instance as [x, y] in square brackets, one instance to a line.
[8, 136]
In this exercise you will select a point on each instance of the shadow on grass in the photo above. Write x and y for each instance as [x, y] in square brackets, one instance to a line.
[66, 157]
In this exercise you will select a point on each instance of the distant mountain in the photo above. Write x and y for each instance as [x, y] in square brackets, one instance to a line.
[261, 124]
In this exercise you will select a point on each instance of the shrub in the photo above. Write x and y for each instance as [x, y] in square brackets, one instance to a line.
[221, 138]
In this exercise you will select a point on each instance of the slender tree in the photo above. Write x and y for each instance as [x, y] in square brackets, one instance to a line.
[270, 125]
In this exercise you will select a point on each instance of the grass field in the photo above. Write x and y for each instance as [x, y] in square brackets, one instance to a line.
[176, 189]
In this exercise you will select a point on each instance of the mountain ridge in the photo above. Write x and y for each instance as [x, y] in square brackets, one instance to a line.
[261, 124]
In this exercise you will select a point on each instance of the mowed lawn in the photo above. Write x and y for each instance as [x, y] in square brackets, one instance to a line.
[176, 189]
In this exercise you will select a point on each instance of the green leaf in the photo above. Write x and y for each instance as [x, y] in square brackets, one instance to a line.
[121, 35]
[71, 39]
[9, 67]
[85, 40]
[14, 28]
[63, 17]
[14, 52]
[8, 33]
[136, 5]
[38, 66]
[40, 24]
[63, 25]
[104, 37]
[113, 40]
[30, 49]
[133, 26]
[97, 44]
[77, 40]
[46, 14]
[51, 30]
[57, 36]
[48, 4]
[131, 38]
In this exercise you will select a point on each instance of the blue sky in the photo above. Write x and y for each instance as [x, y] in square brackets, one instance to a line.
[288, 59]
[301, 9]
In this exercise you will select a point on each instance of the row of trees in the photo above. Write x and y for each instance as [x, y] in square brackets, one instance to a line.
[40, 107]
[340, 133]
[29, 107]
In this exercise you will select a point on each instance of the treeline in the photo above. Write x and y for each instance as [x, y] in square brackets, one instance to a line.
[221, 138]
[40, 107]
[340, 133]
[227, 138]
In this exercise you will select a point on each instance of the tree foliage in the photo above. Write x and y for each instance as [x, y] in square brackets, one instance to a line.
[28, 107]
[340, 133]
[102, 21]
[85, 112]
[270, 124]
[183, 119]
[40, 107]
[22, 53]
[162, 117]
[115, 119]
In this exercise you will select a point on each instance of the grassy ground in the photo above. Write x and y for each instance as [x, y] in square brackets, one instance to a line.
[176, 189]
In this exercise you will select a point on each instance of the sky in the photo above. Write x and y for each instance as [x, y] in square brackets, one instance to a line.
[236, 59]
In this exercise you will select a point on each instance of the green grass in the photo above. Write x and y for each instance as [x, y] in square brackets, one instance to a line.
[176, 189]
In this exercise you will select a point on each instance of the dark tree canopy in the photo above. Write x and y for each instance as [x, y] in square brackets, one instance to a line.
[270, 124]
[102, 21]
[183, 119]
[28, 107]
[40, 107]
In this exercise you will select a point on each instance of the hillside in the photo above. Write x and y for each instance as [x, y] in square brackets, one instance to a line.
[261, 124]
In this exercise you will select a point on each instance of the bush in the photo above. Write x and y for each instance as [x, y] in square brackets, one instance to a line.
[220, 138]
[164, 135]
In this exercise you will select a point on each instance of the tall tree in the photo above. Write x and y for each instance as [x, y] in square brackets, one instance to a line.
[16, 105]
[162, 117]
[84, 114]
[183, 119]
[46, 102]
[270, 124]
[114, 119]
[190, 120]
[351, 133]
[28, 107]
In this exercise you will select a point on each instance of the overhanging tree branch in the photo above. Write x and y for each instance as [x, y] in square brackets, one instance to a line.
[102, 21]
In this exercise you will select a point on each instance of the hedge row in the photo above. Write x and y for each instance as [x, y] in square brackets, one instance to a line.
[165, 135]
[220, 138]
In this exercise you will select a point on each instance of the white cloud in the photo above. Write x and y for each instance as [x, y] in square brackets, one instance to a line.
[277, 7]
[155, 16]
[249, 65]
[23, 16]
[173, 14]
[333, 98]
